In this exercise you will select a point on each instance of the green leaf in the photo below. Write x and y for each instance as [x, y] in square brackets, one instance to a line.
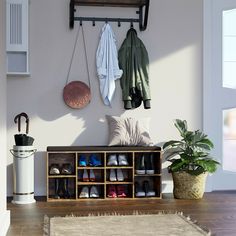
[208, 165]
[198, 136]
[198, 154]
[181, 125]
[203, 146]
[171, 143]
[173, 160]
[186, 157]
[171, 152]
[189, 136]
[207, 142]
[177, 165]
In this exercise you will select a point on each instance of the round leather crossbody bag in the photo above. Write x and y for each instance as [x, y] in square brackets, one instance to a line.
[77, 94]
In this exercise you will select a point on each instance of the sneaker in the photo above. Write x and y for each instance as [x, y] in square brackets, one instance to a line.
[67, 169]
[112, 191]
[54, 169]
[94, 160]
[112, 175]
[148, 191]
[112, 160]
[121, 191]
[139, 191]
[149, 166]
[85, 176]
[91, 175]
[122, 160]
[120, 176]
[140, 165]
[84, 192]
[94, 192]
[82, 161]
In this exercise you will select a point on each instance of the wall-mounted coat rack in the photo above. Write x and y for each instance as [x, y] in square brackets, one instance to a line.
[140, 4]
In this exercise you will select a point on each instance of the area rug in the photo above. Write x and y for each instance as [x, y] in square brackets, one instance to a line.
[123, 225]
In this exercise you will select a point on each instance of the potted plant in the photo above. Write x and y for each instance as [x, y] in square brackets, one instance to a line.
[190, 161]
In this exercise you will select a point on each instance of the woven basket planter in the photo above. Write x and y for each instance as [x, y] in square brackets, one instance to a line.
[188, 186]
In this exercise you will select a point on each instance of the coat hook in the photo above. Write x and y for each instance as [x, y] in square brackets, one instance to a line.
[81, 23]
[106, 20]
[131, 24]
[93, 22]
[119, 24]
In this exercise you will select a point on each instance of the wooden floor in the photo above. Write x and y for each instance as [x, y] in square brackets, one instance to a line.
[216, 211]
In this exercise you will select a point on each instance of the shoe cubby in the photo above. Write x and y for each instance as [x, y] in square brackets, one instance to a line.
[119, 175]
[147, 163]
[95, 191]
[61, 164]
[147, 187]
[119, 191]
[90, 159]
[62, 188]
[90, 176]
[119, 159]
[102, 172]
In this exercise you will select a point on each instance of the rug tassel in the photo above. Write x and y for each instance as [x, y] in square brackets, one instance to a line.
[46, 226]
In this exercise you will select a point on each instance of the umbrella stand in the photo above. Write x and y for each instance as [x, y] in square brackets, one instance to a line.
[23, 164]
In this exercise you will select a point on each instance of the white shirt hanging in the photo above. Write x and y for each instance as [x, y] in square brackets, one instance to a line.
[107, 64]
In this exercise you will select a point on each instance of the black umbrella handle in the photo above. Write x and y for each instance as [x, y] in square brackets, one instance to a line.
[17, 119]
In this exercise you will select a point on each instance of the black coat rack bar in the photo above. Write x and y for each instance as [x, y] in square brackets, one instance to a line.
[140, 4]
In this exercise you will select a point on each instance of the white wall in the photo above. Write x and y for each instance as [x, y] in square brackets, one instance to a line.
[4, 214]
[174, 42]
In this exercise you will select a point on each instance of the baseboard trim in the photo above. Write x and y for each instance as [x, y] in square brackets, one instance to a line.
[5, 223]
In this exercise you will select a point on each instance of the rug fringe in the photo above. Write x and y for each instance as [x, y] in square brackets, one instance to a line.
[46, 226]
[125, 213]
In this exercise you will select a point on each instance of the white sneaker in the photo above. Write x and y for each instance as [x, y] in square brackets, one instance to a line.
[113, 175]
[120, 176]
[122, 160]
[85, 176]
[91, 175]
[54, 169]
[84, 192]
[151, 193]
[112, 160]
[139, 191]
[94, 192]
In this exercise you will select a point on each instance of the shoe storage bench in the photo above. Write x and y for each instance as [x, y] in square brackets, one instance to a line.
[102, 172]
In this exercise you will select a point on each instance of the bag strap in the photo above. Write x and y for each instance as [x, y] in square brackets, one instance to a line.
[73, 54]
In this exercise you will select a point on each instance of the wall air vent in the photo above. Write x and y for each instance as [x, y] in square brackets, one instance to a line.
[17, 37]
[15, 24]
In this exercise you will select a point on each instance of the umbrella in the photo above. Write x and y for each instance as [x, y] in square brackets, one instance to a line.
[23, 139]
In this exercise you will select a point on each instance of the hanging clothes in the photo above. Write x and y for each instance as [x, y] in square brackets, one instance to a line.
[134, 62]
[107, 64]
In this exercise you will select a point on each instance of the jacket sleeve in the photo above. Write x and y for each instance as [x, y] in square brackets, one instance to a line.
[143, 75]
[124, 65]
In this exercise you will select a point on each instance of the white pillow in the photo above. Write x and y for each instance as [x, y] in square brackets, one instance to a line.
[128, 131]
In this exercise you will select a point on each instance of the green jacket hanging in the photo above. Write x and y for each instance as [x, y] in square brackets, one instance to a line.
[134, 61]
